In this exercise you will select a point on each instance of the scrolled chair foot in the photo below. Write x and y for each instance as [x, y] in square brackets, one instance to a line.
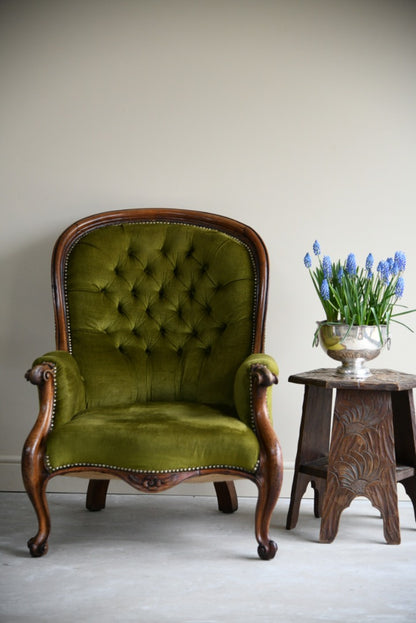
[269, 552]
[36, 548]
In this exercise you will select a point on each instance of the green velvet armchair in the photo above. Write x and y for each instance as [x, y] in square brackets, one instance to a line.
[159, 374]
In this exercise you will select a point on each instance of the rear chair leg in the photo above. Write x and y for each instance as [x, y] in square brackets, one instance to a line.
[96, 494]
[227, 496]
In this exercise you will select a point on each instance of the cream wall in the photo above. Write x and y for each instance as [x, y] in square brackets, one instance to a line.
[295, 116]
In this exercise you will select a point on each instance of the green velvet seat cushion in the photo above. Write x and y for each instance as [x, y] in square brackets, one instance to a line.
[157, 436]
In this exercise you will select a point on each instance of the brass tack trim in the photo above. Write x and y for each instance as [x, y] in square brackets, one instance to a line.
[147, 471]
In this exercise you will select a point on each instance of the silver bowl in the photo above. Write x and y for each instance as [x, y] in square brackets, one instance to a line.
[353, 346]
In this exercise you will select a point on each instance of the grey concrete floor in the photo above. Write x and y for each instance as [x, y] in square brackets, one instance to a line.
[166, 558]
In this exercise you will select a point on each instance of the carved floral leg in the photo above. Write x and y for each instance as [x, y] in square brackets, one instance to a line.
[384, 498]
[334, 503]
[361, 460]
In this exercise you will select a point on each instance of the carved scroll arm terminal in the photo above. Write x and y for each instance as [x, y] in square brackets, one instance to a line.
[262, 381]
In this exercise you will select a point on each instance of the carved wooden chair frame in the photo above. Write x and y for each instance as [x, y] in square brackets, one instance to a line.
[269, 474]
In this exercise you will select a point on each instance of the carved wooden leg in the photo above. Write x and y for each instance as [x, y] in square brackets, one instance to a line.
[361, 460]
[269, 486]
[35, 477]
[384, 498]
[270, 475]
[410, 488]
[268, 496]
[299, 486]
[319, 488]
[36, 490]
[227, 496]
[96, 494]
[313, 444]
[404, 422]
[333, 506]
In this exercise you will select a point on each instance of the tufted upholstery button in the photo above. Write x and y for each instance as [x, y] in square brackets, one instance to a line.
[162, 331]
[179, 352]
[147, 351]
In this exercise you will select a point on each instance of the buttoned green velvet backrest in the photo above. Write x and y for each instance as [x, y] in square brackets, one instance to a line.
[159, 311]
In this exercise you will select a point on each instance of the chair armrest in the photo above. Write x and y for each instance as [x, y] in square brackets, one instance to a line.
[264, 370]
[58, 378]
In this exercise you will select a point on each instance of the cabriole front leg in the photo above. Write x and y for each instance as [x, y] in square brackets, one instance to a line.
[35, 476]
[36, 490]
[270, 474]
[268, 496]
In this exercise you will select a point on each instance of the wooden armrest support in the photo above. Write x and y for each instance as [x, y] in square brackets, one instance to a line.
[40, 373]
[263, 376]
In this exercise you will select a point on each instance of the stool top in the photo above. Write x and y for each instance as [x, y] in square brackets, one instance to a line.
[383, 380]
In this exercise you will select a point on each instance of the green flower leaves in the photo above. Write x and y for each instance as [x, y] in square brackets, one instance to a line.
[356, 295]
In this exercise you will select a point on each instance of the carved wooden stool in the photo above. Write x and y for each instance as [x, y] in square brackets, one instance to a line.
[372, 446]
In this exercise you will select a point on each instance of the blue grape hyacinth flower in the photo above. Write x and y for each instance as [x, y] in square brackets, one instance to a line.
[316, 248]
[369, 263]
[351, 266]
[394, 270]
[399, 287]
[384, 270]
[307, 261]
[400, 259]
[327, 266]
[325, 290]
